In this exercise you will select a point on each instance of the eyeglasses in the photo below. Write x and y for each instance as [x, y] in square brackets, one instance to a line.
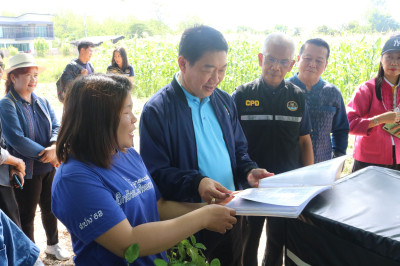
[271, 61]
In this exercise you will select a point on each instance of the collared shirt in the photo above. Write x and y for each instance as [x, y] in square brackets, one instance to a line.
[39, 134]
[86, 66]
[213, 157]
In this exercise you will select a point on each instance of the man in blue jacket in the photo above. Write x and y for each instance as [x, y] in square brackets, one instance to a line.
[191, 140]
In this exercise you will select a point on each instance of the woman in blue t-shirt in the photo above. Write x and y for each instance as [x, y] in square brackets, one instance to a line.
[119, 64]
[103, 192]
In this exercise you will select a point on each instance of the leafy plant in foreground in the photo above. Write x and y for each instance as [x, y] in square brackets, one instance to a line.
[184, 253]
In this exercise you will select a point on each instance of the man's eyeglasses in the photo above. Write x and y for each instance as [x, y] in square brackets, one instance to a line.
[2, 65]
[271, 61]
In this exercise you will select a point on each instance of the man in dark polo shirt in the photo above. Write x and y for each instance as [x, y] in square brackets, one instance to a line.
[275, 120]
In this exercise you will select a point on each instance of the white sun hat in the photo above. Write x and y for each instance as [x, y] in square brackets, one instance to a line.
[22, 60]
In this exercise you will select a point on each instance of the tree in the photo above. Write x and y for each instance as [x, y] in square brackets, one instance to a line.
[381, 22]
[41, 46]
[281, 28]
[139, 30]
[323, 29]
[189, 22]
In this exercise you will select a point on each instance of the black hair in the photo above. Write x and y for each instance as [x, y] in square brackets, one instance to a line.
[122, 52]
[317, 42]
[381, 72]
[197, 40]
[84, 45]
[92, 111]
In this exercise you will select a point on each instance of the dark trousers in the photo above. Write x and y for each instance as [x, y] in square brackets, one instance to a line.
[251, 238]
[38, 190]
[360, 165]
[226, 247]
[276, 238]
[8, 204]
[273, 255]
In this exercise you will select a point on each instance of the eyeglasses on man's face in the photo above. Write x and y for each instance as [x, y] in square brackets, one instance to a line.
[270, 60]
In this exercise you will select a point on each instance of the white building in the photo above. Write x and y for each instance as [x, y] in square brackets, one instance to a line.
[21, 31]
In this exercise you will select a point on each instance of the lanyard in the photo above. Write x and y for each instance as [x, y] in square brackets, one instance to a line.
[395, 106]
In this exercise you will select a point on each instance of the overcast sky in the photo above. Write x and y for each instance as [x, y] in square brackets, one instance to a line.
[221, 14]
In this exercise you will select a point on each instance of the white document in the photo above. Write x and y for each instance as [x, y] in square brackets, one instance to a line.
[287, 194]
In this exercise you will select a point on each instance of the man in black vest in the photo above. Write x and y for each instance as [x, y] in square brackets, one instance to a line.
[275, 120]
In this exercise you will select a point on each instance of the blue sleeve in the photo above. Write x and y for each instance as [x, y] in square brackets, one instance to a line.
[305, 123]
[243, 161]
[340, 130]
[13, 133]
[15, 247]
[157, 143]
[83, 203]
[132, 72]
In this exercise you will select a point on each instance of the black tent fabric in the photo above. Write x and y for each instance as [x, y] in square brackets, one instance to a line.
[357, 222]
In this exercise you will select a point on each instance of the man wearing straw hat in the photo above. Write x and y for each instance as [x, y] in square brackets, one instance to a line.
[30, 128]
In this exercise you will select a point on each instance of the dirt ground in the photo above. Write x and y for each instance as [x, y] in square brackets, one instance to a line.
[40, 240]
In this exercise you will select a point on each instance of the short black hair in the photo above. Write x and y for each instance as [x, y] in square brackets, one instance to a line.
[317, 42]
[197, 40]
[84, 45]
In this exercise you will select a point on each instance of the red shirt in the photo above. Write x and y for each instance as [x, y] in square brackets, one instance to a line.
[373, 145]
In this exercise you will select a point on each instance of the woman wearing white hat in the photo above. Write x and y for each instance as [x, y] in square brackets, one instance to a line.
[30, 128]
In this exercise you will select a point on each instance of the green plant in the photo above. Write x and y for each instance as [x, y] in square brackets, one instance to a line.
[184, 253]
[12, 50]
[41, 46]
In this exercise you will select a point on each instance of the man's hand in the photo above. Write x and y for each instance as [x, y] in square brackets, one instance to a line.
[256, 174]
[84, 72]
[14, 170]
[48, 155]
[212, 192]
[20, 166]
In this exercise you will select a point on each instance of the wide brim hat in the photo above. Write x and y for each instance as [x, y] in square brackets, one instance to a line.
[22, 60]
[393, 44]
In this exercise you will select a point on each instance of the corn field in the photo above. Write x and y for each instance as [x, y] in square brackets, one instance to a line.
[353, 60]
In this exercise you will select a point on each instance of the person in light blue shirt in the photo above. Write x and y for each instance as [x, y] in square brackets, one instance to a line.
[191, 139]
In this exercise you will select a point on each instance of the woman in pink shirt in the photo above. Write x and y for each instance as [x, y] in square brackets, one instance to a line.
[374, 104]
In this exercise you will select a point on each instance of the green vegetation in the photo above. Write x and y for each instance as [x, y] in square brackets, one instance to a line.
[184, 253]
[354, 59]
[41, 47]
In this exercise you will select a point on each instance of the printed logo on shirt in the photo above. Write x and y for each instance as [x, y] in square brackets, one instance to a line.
[292, 106]
[138, 187]
[252, 103]
[87, 221]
